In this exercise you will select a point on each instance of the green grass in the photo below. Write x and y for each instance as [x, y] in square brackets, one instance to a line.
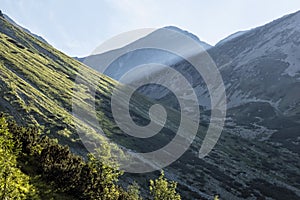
[37, 83]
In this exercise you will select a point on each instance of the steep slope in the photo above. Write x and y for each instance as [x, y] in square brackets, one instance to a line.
[261, 69]
[37, 84]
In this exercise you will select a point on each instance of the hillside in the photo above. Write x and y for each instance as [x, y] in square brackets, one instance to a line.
[260, 69]
[37, 84]
[256, 66]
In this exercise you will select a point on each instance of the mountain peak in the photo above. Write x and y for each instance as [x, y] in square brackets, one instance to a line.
[175, 28]
[289, 21]
[189, 34]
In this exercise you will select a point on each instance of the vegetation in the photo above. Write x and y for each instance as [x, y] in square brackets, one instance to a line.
[161, 188]
[14, 184]
[34, 166]
[37, 85]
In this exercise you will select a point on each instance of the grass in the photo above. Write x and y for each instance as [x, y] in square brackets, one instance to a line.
[37, 81]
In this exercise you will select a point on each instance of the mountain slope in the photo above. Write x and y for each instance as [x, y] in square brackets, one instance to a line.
[38, 87]
[256, 66]
[37, 84]
[260, 69]
[131, 59]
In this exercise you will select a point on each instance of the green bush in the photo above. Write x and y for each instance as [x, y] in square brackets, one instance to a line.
[14, 184]
[33, 166]
[162, 189]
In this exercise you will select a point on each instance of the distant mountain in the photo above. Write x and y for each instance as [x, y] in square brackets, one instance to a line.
[260, 69]
[143, 56]
[79, 59]
[191, 35]
[24, 29]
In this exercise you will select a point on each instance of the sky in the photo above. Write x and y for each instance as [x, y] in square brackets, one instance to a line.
[77, 27]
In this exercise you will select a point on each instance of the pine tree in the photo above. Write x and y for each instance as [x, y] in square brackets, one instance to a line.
[162, 189]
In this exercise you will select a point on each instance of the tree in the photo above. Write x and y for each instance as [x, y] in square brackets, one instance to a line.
[105, 176]
[162, 189]
[134, 191]
[216, 197]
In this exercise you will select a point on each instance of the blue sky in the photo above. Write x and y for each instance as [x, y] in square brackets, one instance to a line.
[78, 27]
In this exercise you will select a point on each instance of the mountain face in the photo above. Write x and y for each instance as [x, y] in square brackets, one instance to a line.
[130, 59]
[37, 87]
[261, 72]
[188, 34]
[260, 69]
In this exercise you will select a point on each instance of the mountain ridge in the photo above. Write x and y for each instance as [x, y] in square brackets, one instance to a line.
[24, 29]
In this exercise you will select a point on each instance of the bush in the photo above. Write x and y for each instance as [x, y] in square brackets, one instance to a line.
[14, 184]
[162, 189]
[37, 167]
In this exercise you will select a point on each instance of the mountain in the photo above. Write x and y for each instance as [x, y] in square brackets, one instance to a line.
[230, 37]
[261, 72]
[24, 29]
[37, 83]
[261, 69]
[141, 56]
[38, 87]
[257, 67]
[191, 35]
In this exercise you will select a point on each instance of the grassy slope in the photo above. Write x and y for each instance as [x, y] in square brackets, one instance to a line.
[36, 83]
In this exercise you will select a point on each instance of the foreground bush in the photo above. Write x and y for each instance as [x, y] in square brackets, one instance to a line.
[37, 167]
